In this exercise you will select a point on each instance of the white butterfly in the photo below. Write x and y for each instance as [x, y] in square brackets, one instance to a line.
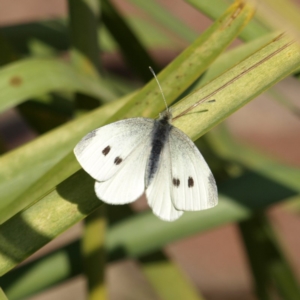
[133, 156]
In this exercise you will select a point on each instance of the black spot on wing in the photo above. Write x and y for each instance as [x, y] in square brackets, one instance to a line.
[190, 182]
[106, 150]
[118, 160]
[176, 182]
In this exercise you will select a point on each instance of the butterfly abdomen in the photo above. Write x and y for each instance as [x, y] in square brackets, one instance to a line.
[160, 136]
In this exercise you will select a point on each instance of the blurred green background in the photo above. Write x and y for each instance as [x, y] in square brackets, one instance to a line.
[68, 67]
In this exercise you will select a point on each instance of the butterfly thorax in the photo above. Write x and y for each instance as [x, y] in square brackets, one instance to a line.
[165, 117]
[159, 138]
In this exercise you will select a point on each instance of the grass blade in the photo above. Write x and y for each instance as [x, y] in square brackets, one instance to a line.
[2, 295]
[93, 253]
[43, 273]
[28, 78]
[132, 49]
[74, 199]
[189, 65]
[169, 21]
[214, 8]
[223, 144]
[25, 165]
[167, 280]
[271, 271]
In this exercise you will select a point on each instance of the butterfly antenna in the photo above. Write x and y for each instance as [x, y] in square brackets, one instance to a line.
[153, 73]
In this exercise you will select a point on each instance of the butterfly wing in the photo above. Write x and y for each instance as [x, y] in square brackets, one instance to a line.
[103, 151]
[159, 190]
[128, 184]
[193, 185]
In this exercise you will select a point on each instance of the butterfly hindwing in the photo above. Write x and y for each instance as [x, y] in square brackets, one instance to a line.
[159, 190]
[128, 183]
[193, 185]
[103, 151]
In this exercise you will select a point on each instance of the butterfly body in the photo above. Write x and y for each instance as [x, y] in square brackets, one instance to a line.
[160, 134]
[133, 156]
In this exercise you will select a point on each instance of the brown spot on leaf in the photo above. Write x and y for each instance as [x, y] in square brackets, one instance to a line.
[15, 81]
[237, 8]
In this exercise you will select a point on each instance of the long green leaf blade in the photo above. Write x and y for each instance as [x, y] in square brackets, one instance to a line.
[25, 165]
[271, 272]
[73, 199]
[214, 8]
[28, 78]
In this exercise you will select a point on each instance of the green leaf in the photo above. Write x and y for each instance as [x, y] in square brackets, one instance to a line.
[272, 273]
[189, 65]
[93, 253]
[43, 273]
[2, 295]
[126, 239]
[237, 86]
[28, 78]
[38, 229]
[279, 58]
[25, 165]
[41, 37]
[213, 8]
[223, 144]
[83, 24]
[131, 47]
[166, 278]
[166, 19]
[50, 33]
[74, 198]
[281, 15]
[233, 56]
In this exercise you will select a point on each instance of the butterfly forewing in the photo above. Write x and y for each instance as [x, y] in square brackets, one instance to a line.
[159, 190]
[128, 183]
[103, 151]
[193, 185]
